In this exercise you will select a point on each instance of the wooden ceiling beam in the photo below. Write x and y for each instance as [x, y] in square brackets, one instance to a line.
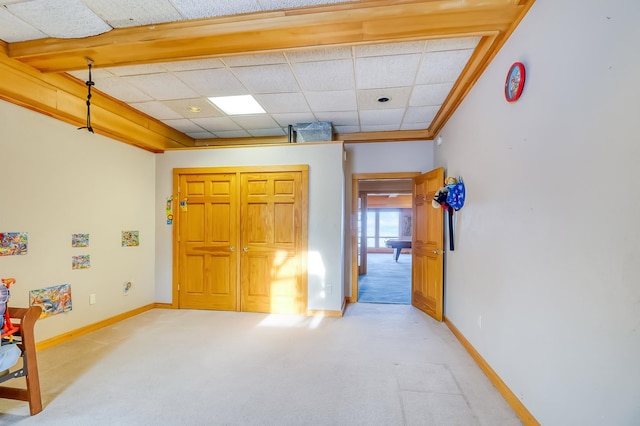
[64, 97]
[365, 22]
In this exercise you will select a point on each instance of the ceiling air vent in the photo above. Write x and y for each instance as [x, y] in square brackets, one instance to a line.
[318, 131]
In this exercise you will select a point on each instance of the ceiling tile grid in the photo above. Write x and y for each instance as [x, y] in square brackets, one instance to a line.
[27, 19]
[267, 78]
[63, 18]
[346, 85]
[340, 85]
[386, 71]
[14, 29]
[332, 101]
[325, 75]
[214, 82]
[127, 13]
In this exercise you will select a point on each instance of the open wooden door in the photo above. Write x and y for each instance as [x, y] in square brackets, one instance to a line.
[427, 261]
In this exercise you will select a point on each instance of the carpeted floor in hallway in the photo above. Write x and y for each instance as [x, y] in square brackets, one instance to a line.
[386, 281]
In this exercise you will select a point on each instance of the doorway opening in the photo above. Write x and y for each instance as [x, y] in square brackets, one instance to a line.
[382, 244]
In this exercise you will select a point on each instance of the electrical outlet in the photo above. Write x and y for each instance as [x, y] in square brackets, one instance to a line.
[479, 321]
[92, 299]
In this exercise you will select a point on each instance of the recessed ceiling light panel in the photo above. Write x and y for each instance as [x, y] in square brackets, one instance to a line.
[237, 105]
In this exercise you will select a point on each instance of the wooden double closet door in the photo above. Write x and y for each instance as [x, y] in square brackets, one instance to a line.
[240, 239]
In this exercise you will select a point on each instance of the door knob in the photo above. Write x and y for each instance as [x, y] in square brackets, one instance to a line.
[232, 248]
[246, 249]
[436, 251]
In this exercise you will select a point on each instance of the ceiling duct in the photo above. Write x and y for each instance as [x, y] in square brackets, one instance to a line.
[318, 131]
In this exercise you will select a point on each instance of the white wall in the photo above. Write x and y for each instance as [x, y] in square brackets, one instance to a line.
[380, 157]
[58, 181]
[389, 157]
[548, 243]
[326, 182]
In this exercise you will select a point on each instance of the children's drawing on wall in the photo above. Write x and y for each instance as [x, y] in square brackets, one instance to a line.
[53, 300]
[13, 243]
[130, 238]
[81, 262]
[80, 240]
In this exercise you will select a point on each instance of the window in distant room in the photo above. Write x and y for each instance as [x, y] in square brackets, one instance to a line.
[382, 224]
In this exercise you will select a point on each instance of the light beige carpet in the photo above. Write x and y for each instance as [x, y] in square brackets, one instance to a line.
[378, 365]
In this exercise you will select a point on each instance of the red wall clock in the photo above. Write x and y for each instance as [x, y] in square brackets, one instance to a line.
[515, 82]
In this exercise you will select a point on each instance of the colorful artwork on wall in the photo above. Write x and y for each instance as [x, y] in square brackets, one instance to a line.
[80, 240]
[13, 243]
[130, 238]
[53, 300]
[81, 262]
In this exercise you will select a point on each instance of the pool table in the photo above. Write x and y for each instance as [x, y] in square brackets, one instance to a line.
[398, 245]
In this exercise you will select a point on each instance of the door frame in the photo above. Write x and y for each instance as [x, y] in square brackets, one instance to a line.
[355, 193]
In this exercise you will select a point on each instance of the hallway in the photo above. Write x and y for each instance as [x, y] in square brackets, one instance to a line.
[386, 280]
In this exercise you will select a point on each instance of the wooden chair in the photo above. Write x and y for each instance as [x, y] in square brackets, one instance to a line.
[26, 342]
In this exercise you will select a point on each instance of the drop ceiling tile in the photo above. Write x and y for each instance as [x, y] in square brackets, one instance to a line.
[415, 126]
[289, 4]
[63, 18]
[191, 9]
[381, 117]
[127, 13]
[216, 124]
[216, 82]
[424, 114]
[379, 127]
[181, 106]
[121, 89]
[287, 119]
[157, 110]
[201, 135]
[452, 44]
[252, 60]
[314, 55]
[161, 86]
[97, 74]
[430, 94]
[267, 78]
[342, 118]
[183, 125]
[341, 100]
[255, 121]
[325, 75]
[276, 131]
[442, 67]
[283, 102]
[14, 29]
[199, 64]
[398, 98]
[389, 49]
[128, 70]
[232, 134]
[386, 71]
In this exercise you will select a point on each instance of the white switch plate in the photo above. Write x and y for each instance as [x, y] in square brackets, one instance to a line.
[92, 299]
